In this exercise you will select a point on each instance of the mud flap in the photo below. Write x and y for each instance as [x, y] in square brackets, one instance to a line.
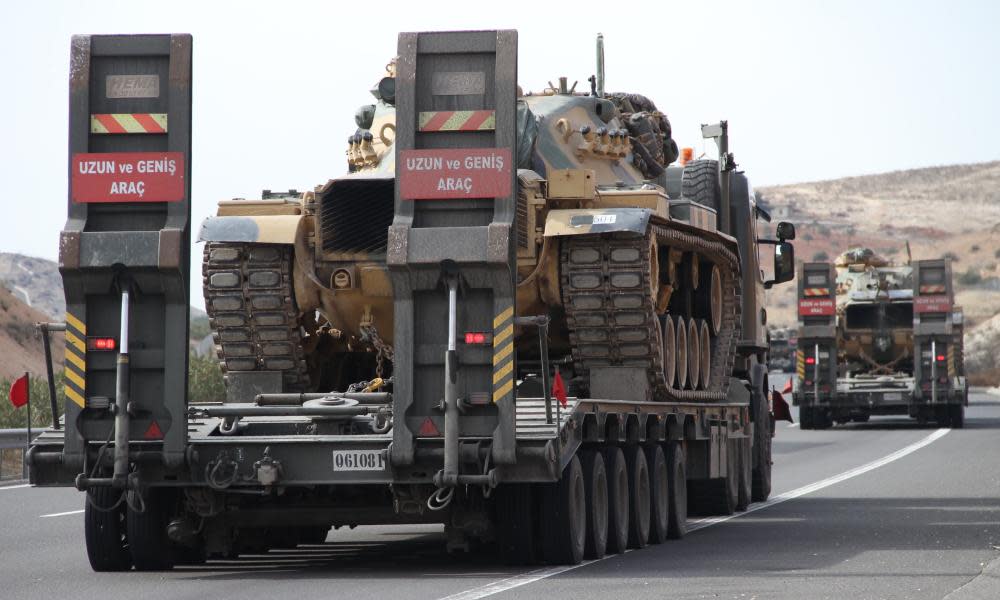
[454, 211]
[128, 230]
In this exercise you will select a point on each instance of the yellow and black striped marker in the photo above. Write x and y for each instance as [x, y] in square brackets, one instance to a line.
[76, 360]
[951, 361]
[800, 364]
[503, 354]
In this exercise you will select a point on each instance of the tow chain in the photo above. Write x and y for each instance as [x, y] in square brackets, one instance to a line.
[383, 351]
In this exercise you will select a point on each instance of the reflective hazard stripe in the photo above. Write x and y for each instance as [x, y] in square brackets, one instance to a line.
[503, 353]
[75, 364]
[816, 292]
[128, 123]
[932, 289]
[457, 120]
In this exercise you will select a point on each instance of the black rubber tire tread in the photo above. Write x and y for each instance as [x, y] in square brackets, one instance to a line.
[745, 473]
[563, 519]
[659, 494]
[595, 478]
[956, 414]
[677, 507]
[806, 418]
[514, 506]
[149, 545]
[762, 434]
[618, 499]
[700, 183]
[640, 511]
[104, 531]
[250, 300]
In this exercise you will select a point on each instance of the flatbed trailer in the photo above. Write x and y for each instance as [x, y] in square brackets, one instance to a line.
[169, 482]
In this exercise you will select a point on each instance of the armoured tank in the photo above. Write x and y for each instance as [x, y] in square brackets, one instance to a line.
[635, 260]
[875, 313]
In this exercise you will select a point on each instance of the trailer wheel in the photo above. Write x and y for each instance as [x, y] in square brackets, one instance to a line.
[148, 543]
[762, 435]
[104, 530]
[515, 520]
[659, 494]
[745, 474]
[957, 416]
[806, 417]
[564, 517]
[618, 499]
[677, 507]
[595, 478]
[639, 509]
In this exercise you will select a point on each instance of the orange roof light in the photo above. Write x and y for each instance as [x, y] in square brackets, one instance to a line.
[687, 154]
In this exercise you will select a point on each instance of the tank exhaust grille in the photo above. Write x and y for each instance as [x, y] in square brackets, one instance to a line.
[355, 215]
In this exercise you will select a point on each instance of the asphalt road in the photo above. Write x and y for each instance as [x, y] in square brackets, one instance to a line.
[885, 509]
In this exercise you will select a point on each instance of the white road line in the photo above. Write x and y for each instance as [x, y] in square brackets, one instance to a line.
[14, 487]
[532, 576]
[62, 514]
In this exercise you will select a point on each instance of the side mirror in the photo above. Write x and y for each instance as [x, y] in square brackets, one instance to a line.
[786, 231]
[784, 262]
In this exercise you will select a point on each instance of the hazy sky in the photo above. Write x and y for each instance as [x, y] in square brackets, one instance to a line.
[812, 90]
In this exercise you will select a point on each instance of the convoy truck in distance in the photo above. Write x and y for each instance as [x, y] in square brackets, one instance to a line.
[512, 315]
[878, 339]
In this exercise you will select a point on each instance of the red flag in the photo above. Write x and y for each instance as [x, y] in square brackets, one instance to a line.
[788, 386]
[19, 391]
[780, 408]
[559, 388]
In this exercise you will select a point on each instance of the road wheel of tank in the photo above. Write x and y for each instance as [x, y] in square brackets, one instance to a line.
[957, 416]
[705, 344]
[595, 478]
[105, 531]
[669, 351]
[745, 474]
[659, 494]
[694, 354]
[682, 352]
[147, 529]
[762, 434]
[618, 499]
[564, 517]
[639, 495]
[515, 523]
[677, 505]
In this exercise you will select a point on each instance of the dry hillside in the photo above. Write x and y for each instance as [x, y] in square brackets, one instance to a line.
[20, 343]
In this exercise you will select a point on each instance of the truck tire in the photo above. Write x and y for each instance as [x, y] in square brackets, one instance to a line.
[104, 531]
[762, 435]
[564, 517]
[806, 417]
[700, 183]
[639, 508]
[515, 523]
[957, 416]
[618, 499]
[595, 478]
[659, 494]
[148, 543]
[742, 449]
[677, 507]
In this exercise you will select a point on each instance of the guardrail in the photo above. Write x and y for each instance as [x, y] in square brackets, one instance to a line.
[12, 443]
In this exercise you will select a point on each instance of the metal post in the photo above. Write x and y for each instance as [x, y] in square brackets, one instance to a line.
[933, 371]
[119, 478]
[451, 414]
[543, 346]
[44, 327]
[725, 178]
[27, 442]
[816, 375]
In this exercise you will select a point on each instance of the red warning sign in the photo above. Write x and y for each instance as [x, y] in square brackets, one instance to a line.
[931, 304]
[819, 307]
[127, 177]
[443, 174]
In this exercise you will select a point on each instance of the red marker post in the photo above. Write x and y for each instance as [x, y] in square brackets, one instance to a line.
[20, 395]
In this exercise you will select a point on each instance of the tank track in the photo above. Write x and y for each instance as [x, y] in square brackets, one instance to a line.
[610, 310]
[251, 308]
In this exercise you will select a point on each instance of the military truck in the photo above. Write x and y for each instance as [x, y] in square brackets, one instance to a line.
[511, 316]
[878, 339]
[781, 349]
